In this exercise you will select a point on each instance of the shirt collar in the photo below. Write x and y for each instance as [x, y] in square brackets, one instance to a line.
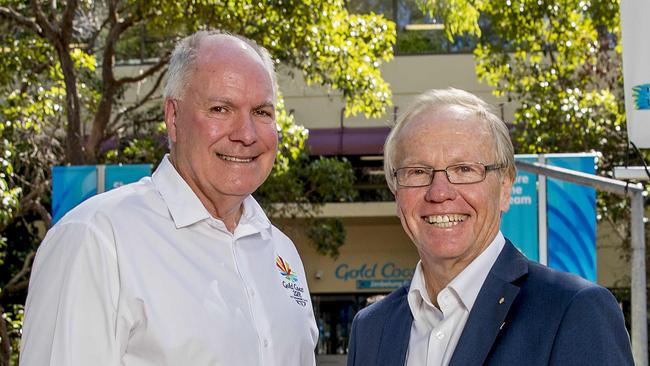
[182, 203]
[186, 208]
[466, 285]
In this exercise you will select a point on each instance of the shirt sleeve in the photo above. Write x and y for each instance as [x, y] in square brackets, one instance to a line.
[592, 332]
[71, 308]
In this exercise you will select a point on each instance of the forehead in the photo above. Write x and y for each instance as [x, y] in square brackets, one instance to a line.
[229, 61]
[449, 132]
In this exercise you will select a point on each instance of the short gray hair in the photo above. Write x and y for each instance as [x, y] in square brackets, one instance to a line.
[184, 56]
[438, 98]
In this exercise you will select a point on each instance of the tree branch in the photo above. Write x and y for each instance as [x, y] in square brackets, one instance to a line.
[153, 69]
[48, 29]
[142, 101]
[21, 19]
[14, 285]
[67, 22]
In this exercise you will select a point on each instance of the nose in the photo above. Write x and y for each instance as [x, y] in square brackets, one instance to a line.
[244, 130]
[440, 189]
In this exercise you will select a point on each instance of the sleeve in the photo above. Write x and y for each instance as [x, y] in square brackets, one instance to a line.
[71, 308]
[592, 332]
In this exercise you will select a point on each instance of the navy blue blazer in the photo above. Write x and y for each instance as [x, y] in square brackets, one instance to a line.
[548, 318]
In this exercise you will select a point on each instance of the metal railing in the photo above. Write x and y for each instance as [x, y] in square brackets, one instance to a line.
[639, 321]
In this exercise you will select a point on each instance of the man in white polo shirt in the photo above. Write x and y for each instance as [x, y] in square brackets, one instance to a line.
[183, 268]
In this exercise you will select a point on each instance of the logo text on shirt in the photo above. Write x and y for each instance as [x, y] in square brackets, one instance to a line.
[290, 282]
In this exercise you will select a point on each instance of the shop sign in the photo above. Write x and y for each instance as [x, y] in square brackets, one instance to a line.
[386, 275]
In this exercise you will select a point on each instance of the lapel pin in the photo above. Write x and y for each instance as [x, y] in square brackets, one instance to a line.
[502, 300]
[502, 325]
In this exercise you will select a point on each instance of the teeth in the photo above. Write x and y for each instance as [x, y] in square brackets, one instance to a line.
[445, 221]
[234, 159]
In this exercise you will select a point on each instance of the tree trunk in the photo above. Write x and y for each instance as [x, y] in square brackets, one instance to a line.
[74, 151]
[5, 346]
[100, 122]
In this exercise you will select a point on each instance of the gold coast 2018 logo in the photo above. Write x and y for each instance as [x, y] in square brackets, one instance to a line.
[641, 95]
[290, 282]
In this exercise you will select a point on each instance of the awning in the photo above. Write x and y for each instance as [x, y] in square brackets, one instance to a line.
[347, 141]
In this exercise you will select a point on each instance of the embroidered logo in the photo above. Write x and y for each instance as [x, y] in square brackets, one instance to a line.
[285, 269]
[290, 282]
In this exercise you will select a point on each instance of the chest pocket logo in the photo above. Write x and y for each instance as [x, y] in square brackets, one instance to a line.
[290, 281]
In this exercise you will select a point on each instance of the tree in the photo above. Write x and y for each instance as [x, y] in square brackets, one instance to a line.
[63, 102]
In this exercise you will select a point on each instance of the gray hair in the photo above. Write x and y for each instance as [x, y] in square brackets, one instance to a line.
[184, 56]
[438, 98]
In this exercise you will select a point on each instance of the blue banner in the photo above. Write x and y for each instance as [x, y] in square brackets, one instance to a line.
[572, 219]
[519, 224]
[72, 185]
[118, 175]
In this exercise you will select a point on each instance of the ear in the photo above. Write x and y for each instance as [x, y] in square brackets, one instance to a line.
[506, 190]
[170, 119]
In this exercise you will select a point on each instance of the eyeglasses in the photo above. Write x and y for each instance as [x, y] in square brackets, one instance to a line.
[461, 173]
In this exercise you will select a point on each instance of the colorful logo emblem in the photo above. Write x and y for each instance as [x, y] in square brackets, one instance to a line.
[285, 269]
[641, 95]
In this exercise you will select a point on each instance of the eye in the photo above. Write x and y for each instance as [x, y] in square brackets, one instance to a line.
[218, 109]
[464, 168]
[263, 113]
[414, 172]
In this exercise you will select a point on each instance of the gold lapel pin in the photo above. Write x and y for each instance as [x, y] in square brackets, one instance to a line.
[502, 300]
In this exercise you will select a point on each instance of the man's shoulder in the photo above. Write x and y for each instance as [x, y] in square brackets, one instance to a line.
[383, 307]
[563, 287]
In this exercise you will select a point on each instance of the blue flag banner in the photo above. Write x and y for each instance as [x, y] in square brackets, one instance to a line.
[72, 185]
[118, 175]
[519, 224]
[572, 219]
[570, 216]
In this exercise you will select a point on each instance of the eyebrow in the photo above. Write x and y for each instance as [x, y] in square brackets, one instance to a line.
[229, 102]
[265, 105]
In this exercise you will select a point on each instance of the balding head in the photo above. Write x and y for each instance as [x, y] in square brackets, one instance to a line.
[214, 43]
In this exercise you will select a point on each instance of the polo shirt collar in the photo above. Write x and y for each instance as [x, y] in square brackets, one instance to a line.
[183, 204]
[186, 209]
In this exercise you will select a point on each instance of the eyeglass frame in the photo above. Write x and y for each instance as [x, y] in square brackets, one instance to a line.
[487, 168]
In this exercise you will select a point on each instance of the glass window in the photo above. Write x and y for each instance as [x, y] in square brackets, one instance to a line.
[417, 31]
[334, 314]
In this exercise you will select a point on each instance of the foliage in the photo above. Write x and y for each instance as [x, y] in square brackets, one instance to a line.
[65, 100]
[298, 186]
[561, 66]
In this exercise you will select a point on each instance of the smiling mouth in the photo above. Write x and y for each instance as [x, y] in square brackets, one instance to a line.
[445, 221]
[235, 159]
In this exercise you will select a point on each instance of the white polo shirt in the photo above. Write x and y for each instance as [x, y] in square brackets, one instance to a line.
[143, 275]
[435, 332]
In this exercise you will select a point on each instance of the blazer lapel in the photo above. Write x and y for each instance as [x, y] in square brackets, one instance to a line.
[490, 308]
[396, 333]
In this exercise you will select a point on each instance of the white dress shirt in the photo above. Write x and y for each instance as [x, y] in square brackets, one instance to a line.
[435, 332]
[143, 275]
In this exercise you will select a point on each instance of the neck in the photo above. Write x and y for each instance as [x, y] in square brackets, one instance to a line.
[436, 280]
[227, 208]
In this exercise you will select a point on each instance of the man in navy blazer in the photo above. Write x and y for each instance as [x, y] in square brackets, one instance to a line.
[474, 298]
